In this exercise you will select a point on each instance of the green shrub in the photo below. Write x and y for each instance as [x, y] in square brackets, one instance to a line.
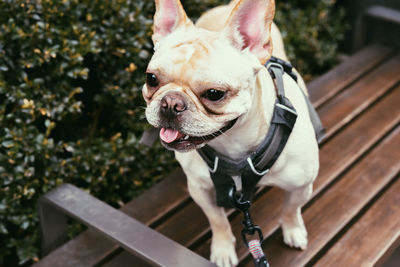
[71, 109]
[311, 30]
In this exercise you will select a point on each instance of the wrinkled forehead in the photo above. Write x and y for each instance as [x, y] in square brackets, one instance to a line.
[198, 55]
[182, 48]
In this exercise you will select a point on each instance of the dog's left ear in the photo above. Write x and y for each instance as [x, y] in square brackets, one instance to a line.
[169, 16]
[249, 27]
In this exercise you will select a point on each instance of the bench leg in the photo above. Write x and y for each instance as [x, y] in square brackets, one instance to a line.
[53, 226]
[293, 228]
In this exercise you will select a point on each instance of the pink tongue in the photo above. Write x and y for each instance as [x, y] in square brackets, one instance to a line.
[170, 135]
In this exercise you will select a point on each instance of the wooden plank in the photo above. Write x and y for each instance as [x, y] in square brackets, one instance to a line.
[335, 157]
[373, 234]
[158, 200]
[384, 13]
[348, 104]
[182, 228]
[125, 260]
[341, 203]
[89, 248]
[129, 233]
[329, 84]
[85, 250]
[391, 258]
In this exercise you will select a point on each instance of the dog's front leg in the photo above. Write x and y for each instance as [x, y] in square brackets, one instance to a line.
[223, 242]
[203, 193]
[293, 228]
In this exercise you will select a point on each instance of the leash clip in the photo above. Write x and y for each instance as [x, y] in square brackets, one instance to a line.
[215, 167]
[249, 228]
[254, 170]
[286, 65]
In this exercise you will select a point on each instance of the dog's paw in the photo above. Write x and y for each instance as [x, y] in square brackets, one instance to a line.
[295, 236]
[223, 253]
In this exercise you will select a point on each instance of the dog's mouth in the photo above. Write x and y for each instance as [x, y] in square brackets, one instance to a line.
[175, 140]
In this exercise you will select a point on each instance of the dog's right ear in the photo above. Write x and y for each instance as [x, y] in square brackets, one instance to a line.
[169, 16]
[249, 27]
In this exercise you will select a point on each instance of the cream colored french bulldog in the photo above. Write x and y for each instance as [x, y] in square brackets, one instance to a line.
[204, 76]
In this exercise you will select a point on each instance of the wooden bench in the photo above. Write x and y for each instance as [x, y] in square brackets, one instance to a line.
[353, 217]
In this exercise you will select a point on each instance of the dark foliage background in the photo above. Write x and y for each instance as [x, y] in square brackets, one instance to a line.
[71, 109]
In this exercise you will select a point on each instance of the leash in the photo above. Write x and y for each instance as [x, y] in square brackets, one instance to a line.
[249, 229]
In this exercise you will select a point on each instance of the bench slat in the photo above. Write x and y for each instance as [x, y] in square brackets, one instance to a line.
[159, 200]
[331, 83]
[341, 203]
[336, 156]
[125, 260]
[360, 95]
[384, 13]
[183, 228]
[353, 248]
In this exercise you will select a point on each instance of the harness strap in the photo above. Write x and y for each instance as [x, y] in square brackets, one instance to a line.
[276, 70]
[252, 168]
[288, 68]
[319, 129]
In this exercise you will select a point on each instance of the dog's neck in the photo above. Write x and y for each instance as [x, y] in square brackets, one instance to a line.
[251, 128]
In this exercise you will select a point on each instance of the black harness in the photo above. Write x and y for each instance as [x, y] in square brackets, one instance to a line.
[252, 168]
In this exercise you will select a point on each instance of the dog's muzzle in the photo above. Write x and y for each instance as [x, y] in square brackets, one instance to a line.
[173, 139]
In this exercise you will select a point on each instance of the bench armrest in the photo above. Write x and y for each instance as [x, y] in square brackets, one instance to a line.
[127, 232]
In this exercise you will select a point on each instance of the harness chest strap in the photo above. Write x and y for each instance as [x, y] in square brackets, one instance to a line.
[315, 120]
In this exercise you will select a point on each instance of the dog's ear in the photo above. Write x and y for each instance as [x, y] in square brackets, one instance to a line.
[169, 16]
[249, 27]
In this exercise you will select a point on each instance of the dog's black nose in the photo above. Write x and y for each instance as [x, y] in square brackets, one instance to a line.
[173, 105]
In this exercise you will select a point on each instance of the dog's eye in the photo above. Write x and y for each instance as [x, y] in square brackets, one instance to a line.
[151, 80]
[214, 94]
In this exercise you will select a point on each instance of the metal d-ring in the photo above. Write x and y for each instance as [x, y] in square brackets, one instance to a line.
[286, 108]
[253, 169]
[216, 160]
[273, 64]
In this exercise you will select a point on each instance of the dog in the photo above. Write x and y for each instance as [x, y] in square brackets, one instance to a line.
[204, 76]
